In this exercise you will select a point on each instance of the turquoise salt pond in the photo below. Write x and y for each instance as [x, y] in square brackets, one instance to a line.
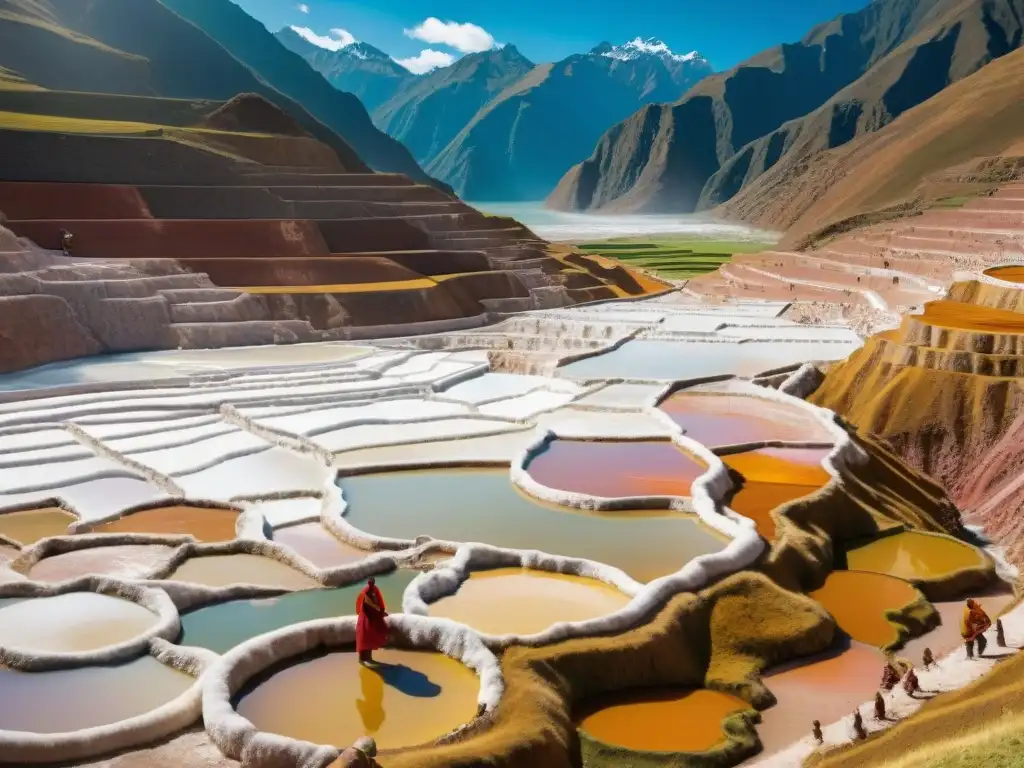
[468, 505]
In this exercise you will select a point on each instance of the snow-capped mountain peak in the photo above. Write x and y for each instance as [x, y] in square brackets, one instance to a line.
[639, 47]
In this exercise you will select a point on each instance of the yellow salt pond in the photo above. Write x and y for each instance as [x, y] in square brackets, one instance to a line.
[523, 601]
[30, 525]
[72, 699]
[773, 477]
[206, 524]
[130, 561]
[72, 622]
[663, 721]
[913, 555]
[223, 570]
[858, 600]
[410, 698]
[318, 545]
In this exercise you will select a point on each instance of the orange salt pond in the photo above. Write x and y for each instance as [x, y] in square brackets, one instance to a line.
[72, 699]
[858, 600]
[205, 523]
[720, 419]
[410, 698]
[616, 469]
[76, 621]
[773, 477]
[971, 317]
[132, 561]
[30, 525]
[663, 721]
[318, 545]
[223, 570]
[524, 601]
[1009, 274]
[913, 555]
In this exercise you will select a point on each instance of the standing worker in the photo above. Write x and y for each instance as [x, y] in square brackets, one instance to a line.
[973, 625]
[65, 241]
[371, 627]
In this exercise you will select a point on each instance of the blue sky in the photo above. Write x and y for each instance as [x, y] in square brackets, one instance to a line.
[724, 31]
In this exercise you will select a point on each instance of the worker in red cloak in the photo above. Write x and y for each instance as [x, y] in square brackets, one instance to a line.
[371, 627]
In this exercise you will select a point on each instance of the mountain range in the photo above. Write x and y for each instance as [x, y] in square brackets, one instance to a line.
[736, 135]
[495, 125]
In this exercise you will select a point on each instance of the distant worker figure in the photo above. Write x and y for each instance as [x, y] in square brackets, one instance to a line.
[911, 685]
[371, 627]
[927, 658]
[879, 706]
[859, 731]
[66, 239]
[890, 676]
[973, 625]
[816, 731]
[1000, 634]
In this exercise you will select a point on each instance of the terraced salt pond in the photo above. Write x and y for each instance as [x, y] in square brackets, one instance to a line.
[224, 570]
[716, 419]
[482, 505]
[222, 626]
[669, 360]
[86, 697]
[913, 555]
[72, 622]
[522, 601]
[204, 523]
[29, 526]
[410, 698]
[616, 469]
[773, 477]
[318, 545]
[858, 601]
[129, 561]
[662, 721]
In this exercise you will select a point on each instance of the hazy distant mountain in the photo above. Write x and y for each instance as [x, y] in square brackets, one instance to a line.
[249, 42]
[428, 111]
[847, 77]
[359, 68]
[518, 144]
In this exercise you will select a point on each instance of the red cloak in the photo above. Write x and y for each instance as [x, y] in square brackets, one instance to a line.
[371, 628]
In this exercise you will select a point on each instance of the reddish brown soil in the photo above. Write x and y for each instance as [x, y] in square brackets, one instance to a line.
[41, 200]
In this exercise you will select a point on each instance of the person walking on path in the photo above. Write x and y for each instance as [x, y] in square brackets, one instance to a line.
[371, 627]
[973, 625]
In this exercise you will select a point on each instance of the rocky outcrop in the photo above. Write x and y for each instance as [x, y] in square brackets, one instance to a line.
[848, 77]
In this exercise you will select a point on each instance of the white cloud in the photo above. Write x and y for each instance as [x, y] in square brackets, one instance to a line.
[426, 61]
[303, 8]
[467, 38]
[337, 39]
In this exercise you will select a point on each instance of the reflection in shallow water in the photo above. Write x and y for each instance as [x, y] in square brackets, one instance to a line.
[31, 525]
[482, 505]
[315, 543]
[914, 555]
[129, 561]
[76, 621]
[222, 570]
[858, 600]
[612, 469]
[410, 698]
[521, 601]
[72, 699]
[223, 626]
[718, 419]
[663, 721]
[206, 524]
[773, 477]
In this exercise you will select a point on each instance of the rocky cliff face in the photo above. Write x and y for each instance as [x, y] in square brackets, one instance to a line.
[518, 145]
[360, 69]
[849, 76]
[427, 112]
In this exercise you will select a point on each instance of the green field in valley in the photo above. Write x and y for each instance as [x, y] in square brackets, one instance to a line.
[676, 259]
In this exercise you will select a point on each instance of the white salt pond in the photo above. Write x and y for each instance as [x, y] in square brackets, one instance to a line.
[670, 360]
